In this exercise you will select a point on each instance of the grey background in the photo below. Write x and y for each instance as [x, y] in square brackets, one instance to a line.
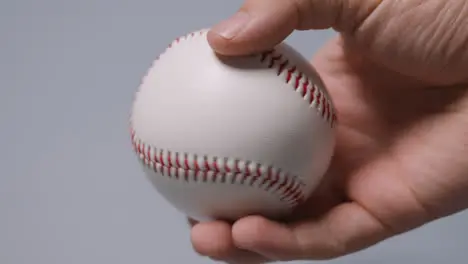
[71, 190]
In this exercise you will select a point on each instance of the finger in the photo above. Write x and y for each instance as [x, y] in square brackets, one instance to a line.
[265, 237]
[214, 240]
[344, 229]
[261, 24]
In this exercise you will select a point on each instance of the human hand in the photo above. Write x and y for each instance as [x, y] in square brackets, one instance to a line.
[397, 76]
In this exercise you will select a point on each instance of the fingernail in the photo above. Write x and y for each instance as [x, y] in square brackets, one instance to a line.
[231, 27]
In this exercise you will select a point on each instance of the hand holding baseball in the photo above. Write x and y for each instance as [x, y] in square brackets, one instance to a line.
[397, 75]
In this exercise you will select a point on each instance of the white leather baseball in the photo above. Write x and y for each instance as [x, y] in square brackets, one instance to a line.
[225, 137]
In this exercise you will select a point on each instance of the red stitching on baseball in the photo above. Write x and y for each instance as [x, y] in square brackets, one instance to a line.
[168, 164]
[290, 73]
[315, 97]
[282, 66]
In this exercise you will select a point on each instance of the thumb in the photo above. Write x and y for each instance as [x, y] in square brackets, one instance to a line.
[261, 24]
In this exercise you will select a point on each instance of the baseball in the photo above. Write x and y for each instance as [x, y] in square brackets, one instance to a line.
[226, 137]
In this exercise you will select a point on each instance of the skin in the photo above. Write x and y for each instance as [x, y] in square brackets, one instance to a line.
[397, 75]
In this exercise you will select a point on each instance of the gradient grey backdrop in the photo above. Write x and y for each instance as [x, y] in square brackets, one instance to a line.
[71, 190]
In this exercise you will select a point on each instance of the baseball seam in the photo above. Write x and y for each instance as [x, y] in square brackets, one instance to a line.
[192, 167]
[203, 168]
[301, 84]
